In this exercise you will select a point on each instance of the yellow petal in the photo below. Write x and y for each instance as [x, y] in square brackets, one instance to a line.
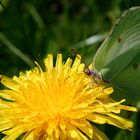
[98, 135]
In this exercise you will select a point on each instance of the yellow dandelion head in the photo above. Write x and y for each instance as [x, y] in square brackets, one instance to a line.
[57, 104]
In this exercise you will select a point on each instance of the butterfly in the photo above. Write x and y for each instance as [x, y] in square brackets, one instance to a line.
[118, 58]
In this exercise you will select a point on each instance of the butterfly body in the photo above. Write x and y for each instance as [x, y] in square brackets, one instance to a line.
[96, 76]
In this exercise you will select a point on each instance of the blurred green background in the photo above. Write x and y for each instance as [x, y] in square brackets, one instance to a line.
[30, 29]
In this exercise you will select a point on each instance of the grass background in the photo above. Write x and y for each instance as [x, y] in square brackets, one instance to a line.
[30, 29]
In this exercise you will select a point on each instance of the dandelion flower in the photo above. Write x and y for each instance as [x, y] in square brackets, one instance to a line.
[58, 104]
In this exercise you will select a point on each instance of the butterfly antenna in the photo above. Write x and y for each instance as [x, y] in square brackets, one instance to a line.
[75, 53]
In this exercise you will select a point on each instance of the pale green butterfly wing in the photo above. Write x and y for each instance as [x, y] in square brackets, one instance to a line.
[116, 56]
[128, 79]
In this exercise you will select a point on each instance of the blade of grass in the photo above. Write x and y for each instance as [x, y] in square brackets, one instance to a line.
[16, 51]
[5, 2]
[120, 135]
[90, 41]
[134, 119]
[34, 13]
